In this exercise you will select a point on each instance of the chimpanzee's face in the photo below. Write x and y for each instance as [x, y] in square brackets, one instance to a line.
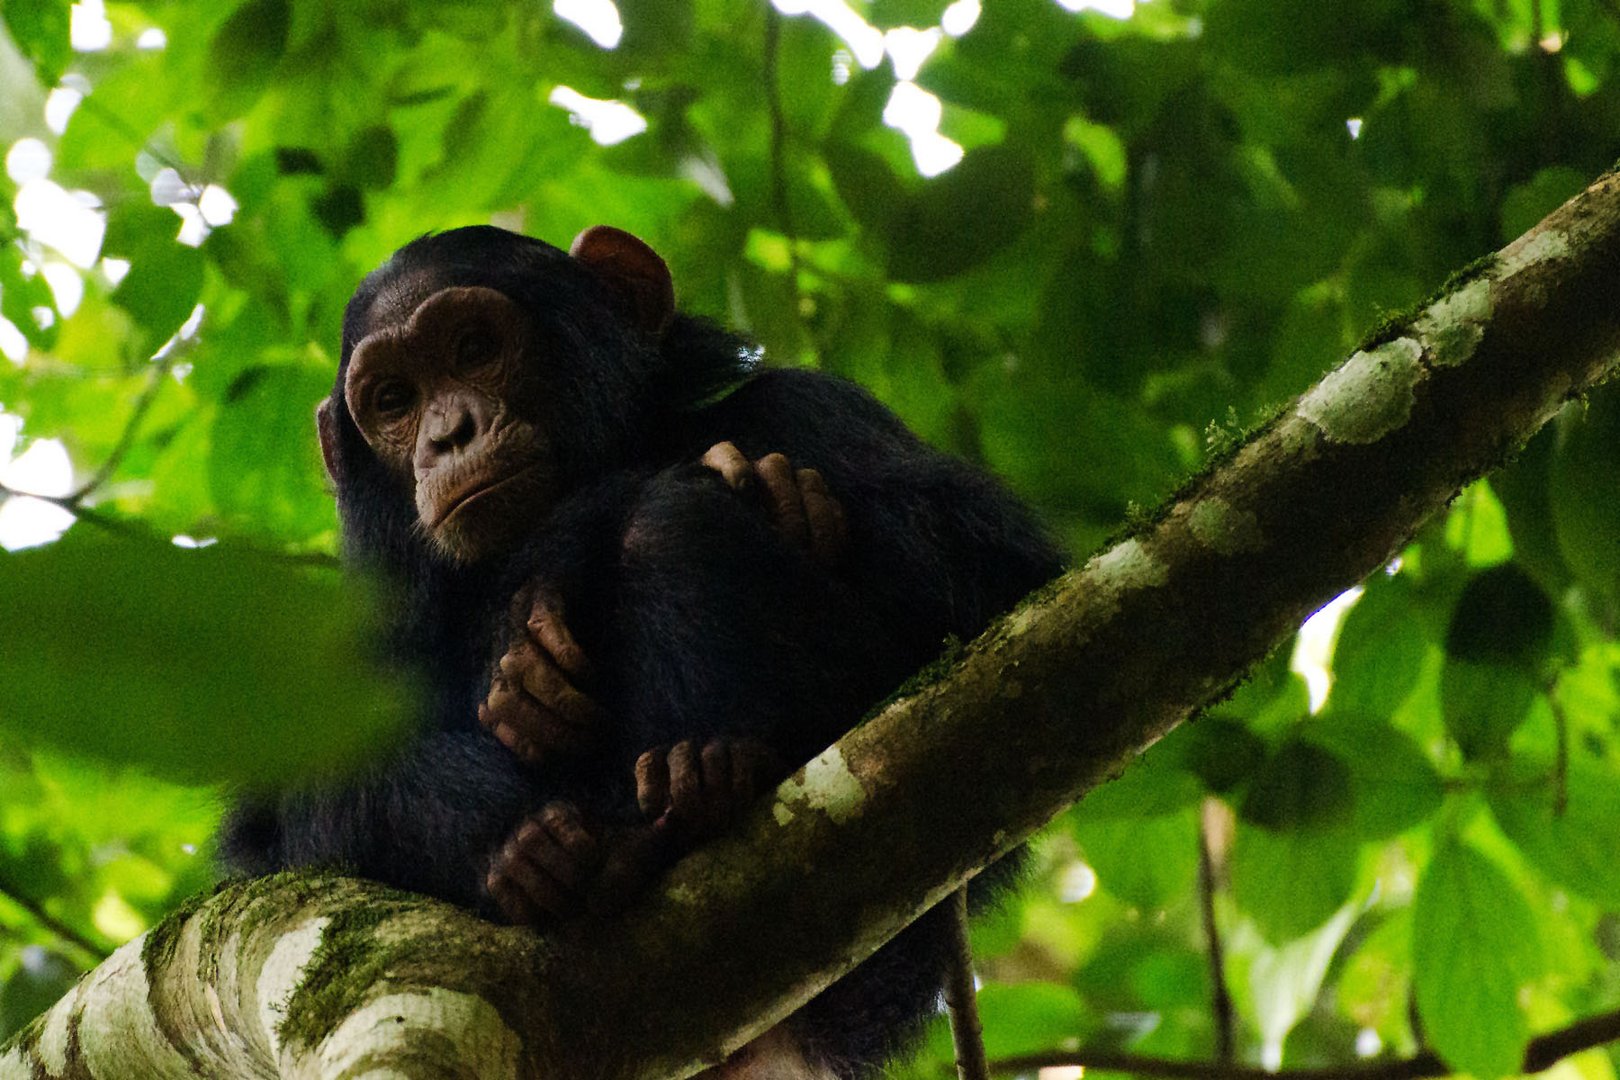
[446, 388]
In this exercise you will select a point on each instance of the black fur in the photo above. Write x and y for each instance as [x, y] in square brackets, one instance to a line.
[701, 619]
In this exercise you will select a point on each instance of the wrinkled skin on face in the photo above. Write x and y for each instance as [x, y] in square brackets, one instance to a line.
[449, 398]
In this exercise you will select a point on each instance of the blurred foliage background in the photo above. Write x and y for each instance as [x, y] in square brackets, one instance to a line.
[1082, 244]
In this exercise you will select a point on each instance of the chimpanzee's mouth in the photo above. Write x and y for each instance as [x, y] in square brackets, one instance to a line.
[478, 491]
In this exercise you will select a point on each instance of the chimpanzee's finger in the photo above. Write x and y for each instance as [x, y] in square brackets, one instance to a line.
[685, 784]
[652, 782]
[547, 627]
[782, 494]
[725, 459]
[825, 514]
[576, 715]
[525, 892]
[546, 897]
[566, 826]
[509, 898]
[557, 842]
[515, 720]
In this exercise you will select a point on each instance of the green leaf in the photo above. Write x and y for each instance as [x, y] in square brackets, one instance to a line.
[1474, 943]
[652, 26]
[1114, 850]
[371, 160]
[202, 665]
[1484, 704]
[1379, 654]
[264, 469]
[1500, 634]
[1523, 488]
[1152, 785]
[40, 29]
[865, 183]
[1029, 1017]
[160, 291]
[1285, 980]
[1302, 787]
[920, 13]
[1576, 848]
[244, 54]
[1527, 203]
[1217, 749]
[1586, 494]
[958, 220]
[1394, 784]
[1502, 617]
[1290, 883]
[21, 294]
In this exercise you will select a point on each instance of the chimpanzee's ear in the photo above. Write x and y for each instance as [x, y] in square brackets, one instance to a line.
[633, 270]
[326, 423]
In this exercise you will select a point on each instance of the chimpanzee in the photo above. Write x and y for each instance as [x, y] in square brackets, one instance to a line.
[537, 450]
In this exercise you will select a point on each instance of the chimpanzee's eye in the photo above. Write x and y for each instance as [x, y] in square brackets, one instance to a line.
[392, 398]
[474, 347]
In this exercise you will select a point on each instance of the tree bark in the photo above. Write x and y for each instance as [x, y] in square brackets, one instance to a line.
[300, 976]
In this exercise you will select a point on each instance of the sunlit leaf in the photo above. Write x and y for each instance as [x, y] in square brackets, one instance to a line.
[1284, 979]
[264, 468]
[1395, 785]
[161, 290]
[1114, 849]
[1031, 1017]
[1290, 883]
[40, 29]
[1474, 943]
[1380, 649]
[1575, 843]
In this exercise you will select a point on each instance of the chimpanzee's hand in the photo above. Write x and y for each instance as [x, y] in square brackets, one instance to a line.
[535, 705]
[692, 792]
[801, 507]
[557, 866]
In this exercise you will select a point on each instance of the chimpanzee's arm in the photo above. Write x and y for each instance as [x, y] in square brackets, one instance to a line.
[425, 820]
[939, 546]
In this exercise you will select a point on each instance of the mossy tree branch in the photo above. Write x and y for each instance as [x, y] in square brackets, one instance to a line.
[307, 977]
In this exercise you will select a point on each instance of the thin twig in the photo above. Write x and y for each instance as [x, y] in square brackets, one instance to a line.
[92, 104]
[37, 912]
[138, 530]
[72, 504]
[154, 383]
[1220, 996]
[1560, 775]
[1543, 1052]
[960, 999]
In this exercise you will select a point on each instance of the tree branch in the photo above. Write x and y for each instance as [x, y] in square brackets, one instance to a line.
[1225, 1014]
[300, 977]
[967, 1033]
[1543, 1052]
